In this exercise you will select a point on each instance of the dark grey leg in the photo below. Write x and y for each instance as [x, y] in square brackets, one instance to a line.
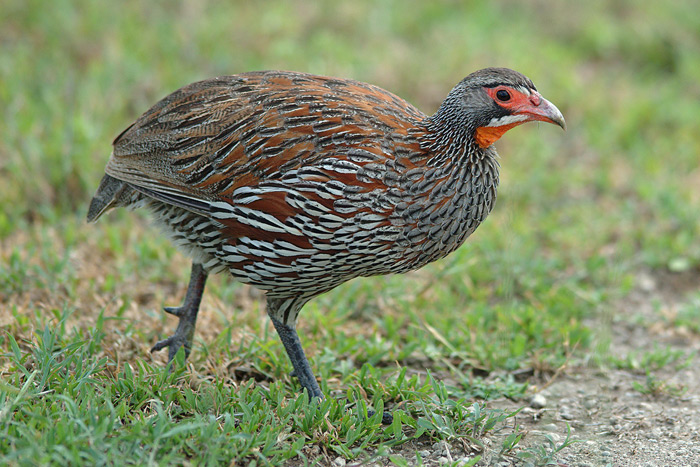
[188, 315]
[302, 369]
[292, 344]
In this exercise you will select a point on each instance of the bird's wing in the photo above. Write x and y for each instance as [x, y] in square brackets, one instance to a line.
[203, 142]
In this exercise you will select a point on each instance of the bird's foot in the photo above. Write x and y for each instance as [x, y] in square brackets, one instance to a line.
[187, 315]
[182, 337]
[387, 417]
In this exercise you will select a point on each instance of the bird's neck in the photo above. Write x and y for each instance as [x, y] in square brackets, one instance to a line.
[450, 141]
[472, 171]
[450, 191]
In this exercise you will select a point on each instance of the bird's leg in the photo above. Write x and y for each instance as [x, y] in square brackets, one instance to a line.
[187, 314]
[302, 369]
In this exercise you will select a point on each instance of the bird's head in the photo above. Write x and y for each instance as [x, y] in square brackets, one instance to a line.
[494, 100]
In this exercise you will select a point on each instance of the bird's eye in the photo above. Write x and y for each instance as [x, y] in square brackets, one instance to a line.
[503, 95]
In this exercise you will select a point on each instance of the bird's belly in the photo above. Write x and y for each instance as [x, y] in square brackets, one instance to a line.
[310, 259]
[196, 236]
[277, 262]
[285, 268]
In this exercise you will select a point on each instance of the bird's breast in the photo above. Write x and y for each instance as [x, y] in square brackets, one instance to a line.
[442, 208]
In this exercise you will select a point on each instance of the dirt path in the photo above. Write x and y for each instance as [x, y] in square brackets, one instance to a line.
[622, 417]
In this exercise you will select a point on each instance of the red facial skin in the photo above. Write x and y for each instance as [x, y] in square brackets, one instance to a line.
[533, 106]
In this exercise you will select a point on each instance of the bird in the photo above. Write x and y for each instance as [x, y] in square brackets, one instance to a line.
[296, 183]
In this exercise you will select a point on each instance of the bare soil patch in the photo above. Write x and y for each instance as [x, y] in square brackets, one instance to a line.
[614, 422]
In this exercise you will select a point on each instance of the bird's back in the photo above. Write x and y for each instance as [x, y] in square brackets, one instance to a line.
[213, 136]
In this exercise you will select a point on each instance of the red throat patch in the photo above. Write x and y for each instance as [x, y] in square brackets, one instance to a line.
[487, 135]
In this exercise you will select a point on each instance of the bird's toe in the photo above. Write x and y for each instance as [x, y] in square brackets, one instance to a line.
[174, 310]
[160, 345]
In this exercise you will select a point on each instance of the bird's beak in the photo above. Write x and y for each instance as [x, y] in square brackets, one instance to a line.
[543, 110]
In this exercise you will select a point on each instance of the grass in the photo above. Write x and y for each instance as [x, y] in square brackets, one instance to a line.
[66, 390]
[579, 215]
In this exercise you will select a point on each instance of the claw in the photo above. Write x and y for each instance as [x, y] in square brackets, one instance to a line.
[173, 343]
[174, 310]
[160, 345]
